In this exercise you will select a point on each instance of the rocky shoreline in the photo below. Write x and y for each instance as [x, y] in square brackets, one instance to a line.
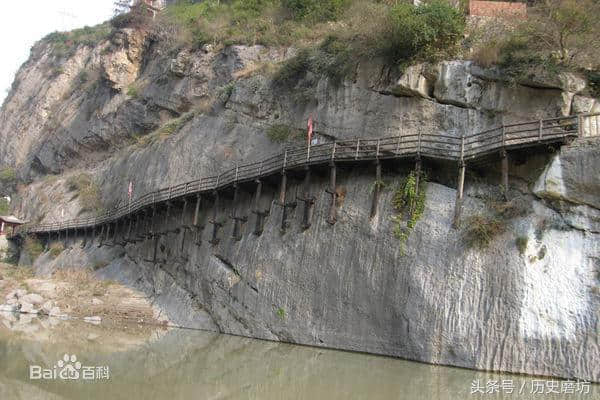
[34, 302]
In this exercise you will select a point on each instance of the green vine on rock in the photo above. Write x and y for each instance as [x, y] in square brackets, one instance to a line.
[409, 203]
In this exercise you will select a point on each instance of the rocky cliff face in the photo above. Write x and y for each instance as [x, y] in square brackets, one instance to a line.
[156, 117]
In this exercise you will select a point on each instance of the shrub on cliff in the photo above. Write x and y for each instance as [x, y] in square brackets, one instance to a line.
[429, 31]
[4, 207]
[315, 10]
[33, 247]
[332, 58]
[480, 230]
[8, 179]
[283, 133]
[64, 44]
[557, 36]
[87, 191]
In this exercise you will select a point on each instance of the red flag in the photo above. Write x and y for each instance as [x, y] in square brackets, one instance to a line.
[130, 190]
[310, 129]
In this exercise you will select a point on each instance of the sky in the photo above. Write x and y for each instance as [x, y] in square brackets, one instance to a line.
[22, 23]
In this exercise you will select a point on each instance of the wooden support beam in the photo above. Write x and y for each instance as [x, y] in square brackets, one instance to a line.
[197, 210]
[142, 227]
[155, 248]
[166, 229]
[184, 227]
[237, 220]
[196, 222]
[115, 232]
[236, 235]
[283, 188]
[129, 228]
[504, 156]
[257, 194]
[333, 192]
[236, 223]
[260, 215]
[282, 200]
[102, 229]
[459, 195]
[216, 225]
[152, 221]
[123, 240]
[107, 234]
[153, 234]
[308, 200]
[136, 226]
[107, 238]
[376, 189]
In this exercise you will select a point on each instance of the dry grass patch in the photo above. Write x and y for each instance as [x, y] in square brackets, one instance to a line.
[480, 230]
[82, 280]
[18, 274]
[256, 68]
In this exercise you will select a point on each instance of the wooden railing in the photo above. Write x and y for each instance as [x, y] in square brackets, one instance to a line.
[433, 146]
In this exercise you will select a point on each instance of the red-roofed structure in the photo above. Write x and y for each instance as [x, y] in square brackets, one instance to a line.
[502, 9]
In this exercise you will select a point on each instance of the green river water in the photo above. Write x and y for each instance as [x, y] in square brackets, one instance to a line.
[186, 364]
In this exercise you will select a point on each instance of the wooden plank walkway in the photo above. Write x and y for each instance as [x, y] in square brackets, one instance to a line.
[420, 146]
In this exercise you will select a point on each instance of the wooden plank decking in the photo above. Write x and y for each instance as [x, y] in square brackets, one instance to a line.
[422, 146]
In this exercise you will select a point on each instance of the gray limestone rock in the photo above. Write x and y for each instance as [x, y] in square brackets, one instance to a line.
[352, 285]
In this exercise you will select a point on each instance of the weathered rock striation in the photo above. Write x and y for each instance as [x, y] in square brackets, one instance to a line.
[532, 308]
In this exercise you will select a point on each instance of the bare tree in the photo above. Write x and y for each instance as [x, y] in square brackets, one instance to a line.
[566, 27]
[121, 6]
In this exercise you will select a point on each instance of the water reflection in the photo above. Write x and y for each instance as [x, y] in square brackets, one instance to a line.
[184, 364]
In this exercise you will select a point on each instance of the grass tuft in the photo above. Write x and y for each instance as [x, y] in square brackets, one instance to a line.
[480, 230]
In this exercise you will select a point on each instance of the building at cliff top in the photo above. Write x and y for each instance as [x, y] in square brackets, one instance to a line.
[9, 223]
[501, 9]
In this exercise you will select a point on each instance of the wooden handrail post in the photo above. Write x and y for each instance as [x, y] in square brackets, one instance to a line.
[541, 130]
[357, 149]
[285, 156]
[503, 136]
[419, 145]
[580, 127]
[333, 150]
[377, 151]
